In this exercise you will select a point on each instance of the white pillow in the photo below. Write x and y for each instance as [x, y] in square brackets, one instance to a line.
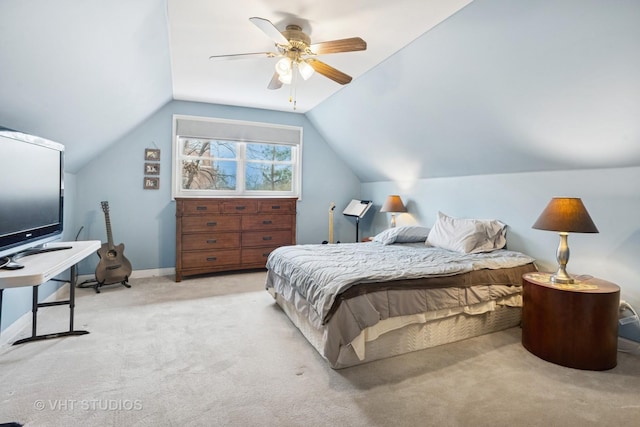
[467, 235]
[404, 234]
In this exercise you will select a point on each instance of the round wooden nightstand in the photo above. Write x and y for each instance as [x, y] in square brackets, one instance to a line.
[572, 325]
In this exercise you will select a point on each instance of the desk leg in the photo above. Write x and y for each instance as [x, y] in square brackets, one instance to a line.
[34, 312]
[72, 295]
[36, 305]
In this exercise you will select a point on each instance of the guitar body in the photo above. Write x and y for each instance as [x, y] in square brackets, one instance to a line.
[113, 267]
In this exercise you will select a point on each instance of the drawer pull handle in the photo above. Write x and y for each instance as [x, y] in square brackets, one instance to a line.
[212, 241]
[239, 208]
[267, 221]
[266, 238]
[201, 208]
[211, 258]
[275, 207]
[212, 224]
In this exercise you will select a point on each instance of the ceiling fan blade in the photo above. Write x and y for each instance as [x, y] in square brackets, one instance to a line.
[336, 46]
[275, 82]
[270, 30]
[329, 72]
[243, 56]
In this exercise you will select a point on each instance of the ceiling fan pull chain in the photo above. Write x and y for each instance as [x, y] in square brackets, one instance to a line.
[294, 81]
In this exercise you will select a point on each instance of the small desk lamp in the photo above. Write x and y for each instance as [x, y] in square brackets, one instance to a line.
[394, 205]
[565, 215]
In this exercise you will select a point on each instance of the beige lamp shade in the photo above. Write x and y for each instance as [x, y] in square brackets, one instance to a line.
[393, 204]
[565, 214]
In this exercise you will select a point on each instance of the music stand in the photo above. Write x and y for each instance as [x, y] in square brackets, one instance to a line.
[357, 209]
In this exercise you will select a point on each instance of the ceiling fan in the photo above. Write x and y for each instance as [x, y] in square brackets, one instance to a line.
[298, 55]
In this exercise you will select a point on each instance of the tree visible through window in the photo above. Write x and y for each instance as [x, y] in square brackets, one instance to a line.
[217, 165]
[218, 157]
[208, 165]
[269, 167]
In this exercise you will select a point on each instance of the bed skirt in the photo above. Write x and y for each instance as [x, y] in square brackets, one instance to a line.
[412, 337]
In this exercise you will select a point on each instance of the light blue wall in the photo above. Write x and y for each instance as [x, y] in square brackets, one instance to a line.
[144, 220]
[612, 197]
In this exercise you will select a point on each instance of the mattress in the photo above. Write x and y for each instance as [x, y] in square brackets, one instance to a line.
[322, 273]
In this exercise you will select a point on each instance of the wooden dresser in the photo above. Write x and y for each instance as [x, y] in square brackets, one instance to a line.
[214, 235]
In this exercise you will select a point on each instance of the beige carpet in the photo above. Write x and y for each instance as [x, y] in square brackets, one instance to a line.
[218, 351]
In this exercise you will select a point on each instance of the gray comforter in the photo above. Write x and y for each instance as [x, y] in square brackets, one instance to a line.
[320, 273]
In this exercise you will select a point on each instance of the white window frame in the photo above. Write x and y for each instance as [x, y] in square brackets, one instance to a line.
[241, 133]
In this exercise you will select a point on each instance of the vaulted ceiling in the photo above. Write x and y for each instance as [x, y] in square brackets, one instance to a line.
[445, 88]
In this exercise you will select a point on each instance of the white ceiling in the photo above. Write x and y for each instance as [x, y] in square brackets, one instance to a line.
[201, 28]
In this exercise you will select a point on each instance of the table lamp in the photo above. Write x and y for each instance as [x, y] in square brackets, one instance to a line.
[394, 205]
[565, 215]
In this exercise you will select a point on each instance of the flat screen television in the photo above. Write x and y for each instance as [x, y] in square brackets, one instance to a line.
[31, 192]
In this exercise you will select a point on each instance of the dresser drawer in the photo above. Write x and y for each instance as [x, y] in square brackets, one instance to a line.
[280, 206]
[256, 256]
[197, 207]
[267, 222]
[266, 238]
[210, 259]
[240, 207]
[201, 241]
[210, 223]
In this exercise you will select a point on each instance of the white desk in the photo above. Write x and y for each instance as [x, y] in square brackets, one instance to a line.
[39, 269]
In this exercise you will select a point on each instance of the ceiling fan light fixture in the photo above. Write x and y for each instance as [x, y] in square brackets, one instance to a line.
[297, 55]
[305, 69]
[286, 78]
[283, 67]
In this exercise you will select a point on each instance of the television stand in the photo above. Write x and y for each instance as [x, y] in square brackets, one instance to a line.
[38, 270]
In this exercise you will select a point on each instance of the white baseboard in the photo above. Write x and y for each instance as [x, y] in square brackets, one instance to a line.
[153, 272]
[12, 331]
[137, 274]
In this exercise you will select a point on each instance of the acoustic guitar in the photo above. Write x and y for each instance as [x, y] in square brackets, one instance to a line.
[113, 267]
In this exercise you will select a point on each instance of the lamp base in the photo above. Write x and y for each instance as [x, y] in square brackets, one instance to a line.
[562, 255]
[555, 279]
[561, 276]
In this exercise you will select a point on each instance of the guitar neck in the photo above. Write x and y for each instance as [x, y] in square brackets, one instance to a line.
[107, 220]
[331, 226]
[109, 235]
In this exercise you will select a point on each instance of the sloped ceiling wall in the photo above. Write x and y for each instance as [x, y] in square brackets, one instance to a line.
[500, 87]
[82, 73]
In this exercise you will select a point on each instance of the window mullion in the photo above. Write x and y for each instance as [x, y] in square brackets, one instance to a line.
[242, 166]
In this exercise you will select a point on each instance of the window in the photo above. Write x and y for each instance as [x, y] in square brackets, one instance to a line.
[214, 157]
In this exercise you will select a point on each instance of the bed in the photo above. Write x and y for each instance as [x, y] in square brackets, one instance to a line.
[359, 302]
